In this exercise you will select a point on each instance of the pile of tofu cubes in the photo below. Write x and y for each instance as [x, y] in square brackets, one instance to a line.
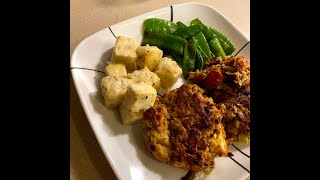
[134, 77]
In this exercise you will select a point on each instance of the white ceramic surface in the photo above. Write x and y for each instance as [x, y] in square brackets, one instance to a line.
[123, 145]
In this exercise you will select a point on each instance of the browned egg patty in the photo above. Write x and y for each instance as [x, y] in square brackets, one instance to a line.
[184, 129]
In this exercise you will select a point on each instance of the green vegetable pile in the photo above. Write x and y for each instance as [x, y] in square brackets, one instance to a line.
[190, 46]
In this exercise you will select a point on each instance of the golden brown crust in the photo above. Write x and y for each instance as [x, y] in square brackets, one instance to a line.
[184, 129]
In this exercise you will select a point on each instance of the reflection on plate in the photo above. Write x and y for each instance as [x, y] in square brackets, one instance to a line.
[123, 145]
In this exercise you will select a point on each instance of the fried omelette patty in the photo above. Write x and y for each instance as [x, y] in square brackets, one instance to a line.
[227, 81]
[184, 129]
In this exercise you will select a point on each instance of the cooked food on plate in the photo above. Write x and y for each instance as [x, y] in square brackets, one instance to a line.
[169, 72]
[138, 98]
[146, 76]
[116, 70]
[124, 51]
[113, 89]
[190, 46]
[134, 76]
[189, 126]
[184, 129]
[227, 81]
[148, 56]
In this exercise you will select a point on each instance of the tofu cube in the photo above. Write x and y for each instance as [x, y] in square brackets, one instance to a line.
[113, 89]
[129, 117]
[148, 56]
[168, 71]
[116, 70]
[146, 76]
[139, 96]
[124, 51]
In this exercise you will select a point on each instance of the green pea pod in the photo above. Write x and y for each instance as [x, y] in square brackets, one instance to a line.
[185, 62]
[193, 49]
[202, 46]
[155, 25]
[205, 29]
[211, 33]
[187, 32]
[216, 47]
[171, 42]
[190, 51]
[176, 57]
[199, 62]
[226, 48]
[181, 25]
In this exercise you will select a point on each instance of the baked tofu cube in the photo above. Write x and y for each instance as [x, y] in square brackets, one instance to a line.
[148, 56]
[116, 70]
[113, 89]
[146, 76]
[139, 96]
[124, 51]
[168, 71]
[129, 117]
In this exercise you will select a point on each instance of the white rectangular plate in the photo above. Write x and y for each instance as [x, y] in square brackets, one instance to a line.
[123, 145]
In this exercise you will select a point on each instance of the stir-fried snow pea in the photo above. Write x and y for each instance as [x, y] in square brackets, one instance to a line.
[173, 43]
[187, 32]
[205, 29]
[216, 48]
[191, 51]
[155, 25]
[190, 46]
[192, 59]
[199, 62]
[180, 24]
[202, 46]
[176, 57]
[226, 47]
[210, 33]
[185, 62]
